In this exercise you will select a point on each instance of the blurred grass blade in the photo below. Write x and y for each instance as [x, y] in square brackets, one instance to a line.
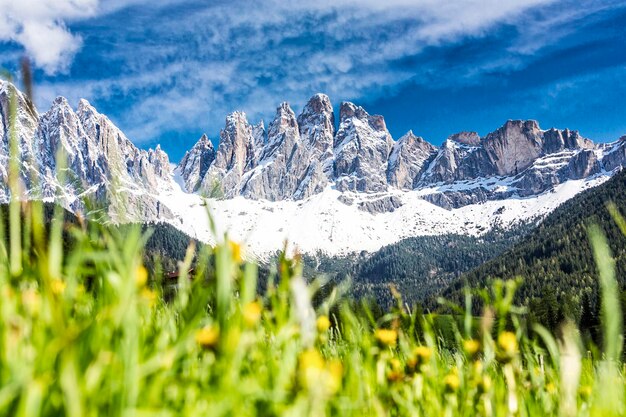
[611, 310]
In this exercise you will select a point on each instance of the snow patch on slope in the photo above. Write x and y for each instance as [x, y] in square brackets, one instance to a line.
[324, 222]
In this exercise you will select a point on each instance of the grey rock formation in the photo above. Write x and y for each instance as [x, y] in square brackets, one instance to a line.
[236, 154]
[582, 165]
[196, 162]
[26, 124]
[103, 168]
[317, 130]
[514, 147]
[409, 158]
[385, 204]
[283, 161]
[615, 155]
[458, 160]
[361, 146]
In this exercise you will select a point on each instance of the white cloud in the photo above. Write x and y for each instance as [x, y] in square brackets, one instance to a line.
[39, 26]
[185, 66]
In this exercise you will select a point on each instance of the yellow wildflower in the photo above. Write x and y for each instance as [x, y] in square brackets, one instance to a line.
[507, 346]
[585, 392]
[318, 376]
[421, 355]
[208, 336]
[252, 313]
[323, 324]
[335, 371]
[386, 337]
[395, 373]
[310, 367]
[57, 286]
[148, 295]
[141, 276]
[236, 251]
[452, 382]
[471, 347]
[311, 358]
[484, 385]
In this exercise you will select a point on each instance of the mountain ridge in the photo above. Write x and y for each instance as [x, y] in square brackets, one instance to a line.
[295, 164]
[336, 188]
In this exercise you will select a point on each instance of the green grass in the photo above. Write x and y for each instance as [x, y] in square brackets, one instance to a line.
[86, 333]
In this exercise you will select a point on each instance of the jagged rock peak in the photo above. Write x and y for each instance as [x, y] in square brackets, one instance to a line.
[196, 162]
[317, 129]
[203, 144]
[285, 119]
[466, 138]
[317, 114]
[361, 146]
[412, 137]
[60, 101]
[529, 124]
[318, 104]
[350, 110]
[236, 154]
[160, 160]
[409, 158]
[283, 134]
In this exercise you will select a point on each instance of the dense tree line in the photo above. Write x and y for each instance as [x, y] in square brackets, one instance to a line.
[418, 267]
[556, 261]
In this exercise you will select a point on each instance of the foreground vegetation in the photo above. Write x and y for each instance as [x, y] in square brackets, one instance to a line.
[86, 332]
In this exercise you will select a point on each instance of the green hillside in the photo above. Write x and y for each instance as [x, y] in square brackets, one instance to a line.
[555, 260]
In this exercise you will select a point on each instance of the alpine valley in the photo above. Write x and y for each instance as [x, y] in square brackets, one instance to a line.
[336, 187]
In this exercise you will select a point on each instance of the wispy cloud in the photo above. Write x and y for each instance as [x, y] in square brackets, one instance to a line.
[40, 27]
[164, 66]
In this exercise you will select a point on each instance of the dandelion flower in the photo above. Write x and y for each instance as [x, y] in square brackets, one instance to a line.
[323, 324]
[57, 286]
[252, 313]
[507, 346]
[141, 276]
[236, 251]
[452, 382]
[471, 347]
[208, 336]
[386, 337]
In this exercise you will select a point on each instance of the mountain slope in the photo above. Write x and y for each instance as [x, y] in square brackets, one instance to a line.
[420, 267]
[337, 190]
[104, 168]
[555, 260]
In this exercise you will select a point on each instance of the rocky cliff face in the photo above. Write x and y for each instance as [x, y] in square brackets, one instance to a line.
[409, 158]
[362, 146]
[282, 162]
[460, 158]
[295, 158]
[196, 162]
[236, 155]
[102, 165]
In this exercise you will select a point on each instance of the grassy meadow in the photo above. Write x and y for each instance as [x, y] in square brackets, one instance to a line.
[87, 331]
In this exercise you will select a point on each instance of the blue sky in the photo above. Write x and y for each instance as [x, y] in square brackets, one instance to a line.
[166, 71]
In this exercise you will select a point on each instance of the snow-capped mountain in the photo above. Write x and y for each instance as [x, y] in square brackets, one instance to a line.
[338, 189]
[104, 172]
